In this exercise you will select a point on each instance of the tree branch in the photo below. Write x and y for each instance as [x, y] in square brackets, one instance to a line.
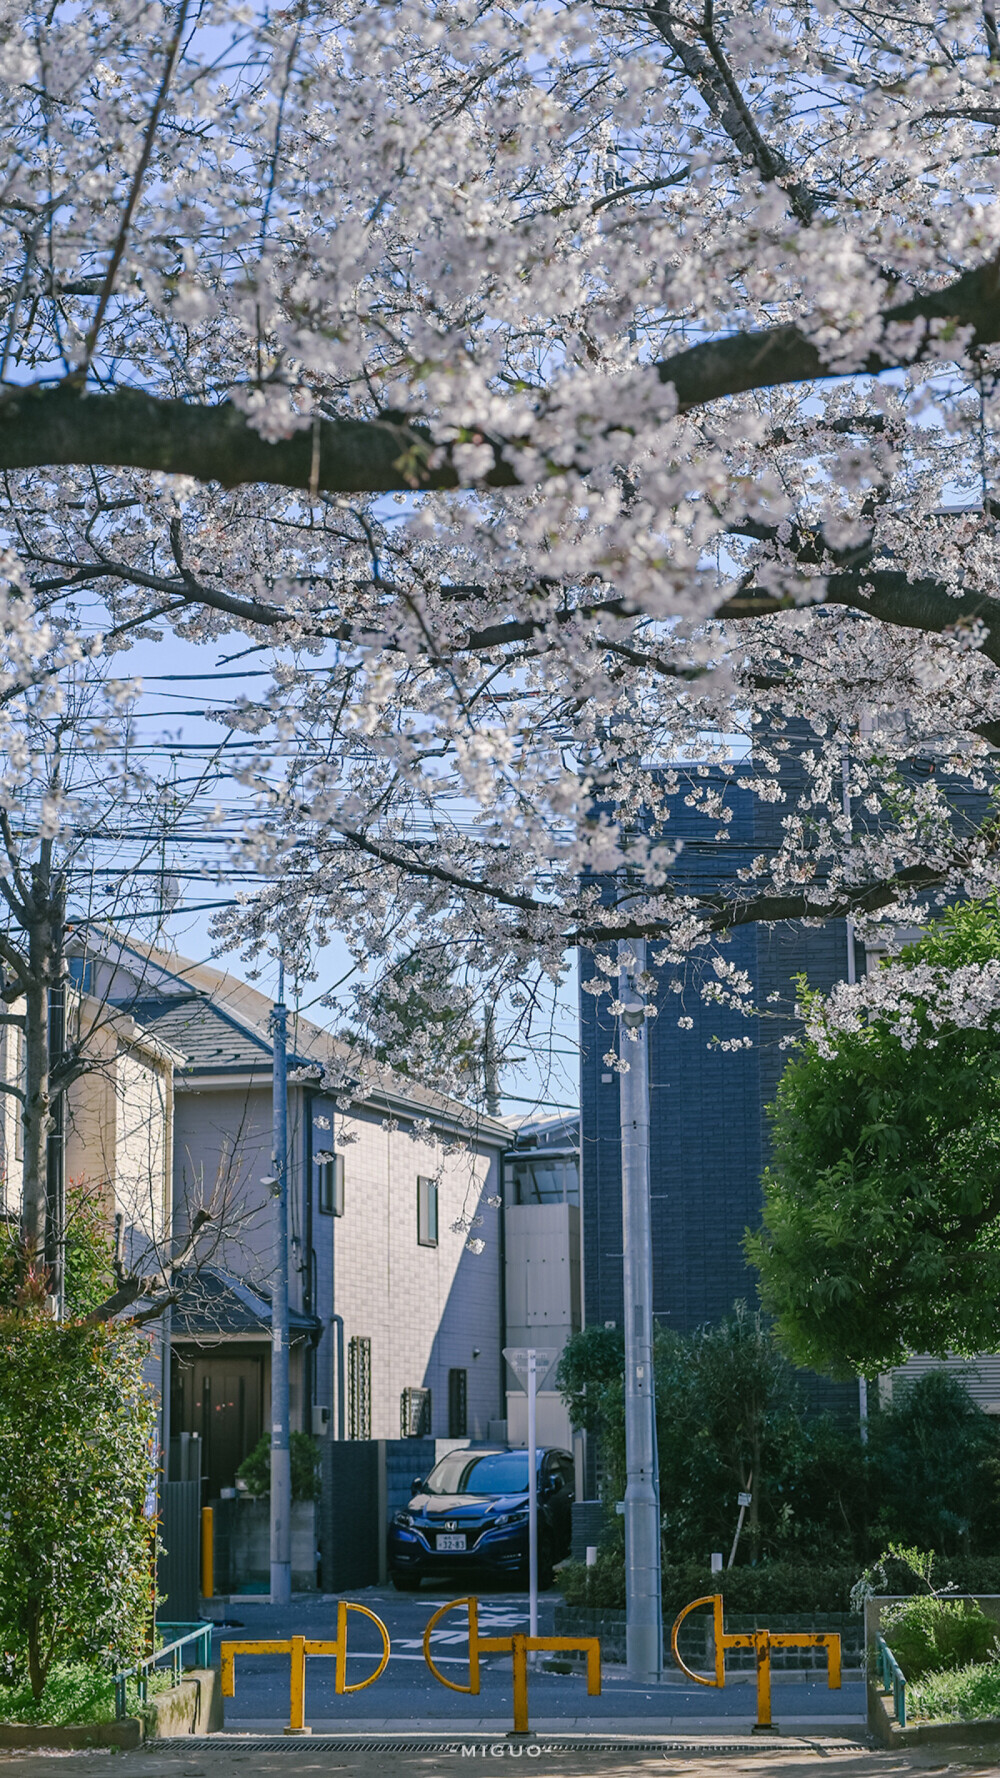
[146, 1285]
[44, 426]
[888, 595]
[717, 85]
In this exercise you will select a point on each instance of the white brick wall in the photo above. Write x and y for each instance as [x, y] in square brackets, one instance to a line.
[425, 1309]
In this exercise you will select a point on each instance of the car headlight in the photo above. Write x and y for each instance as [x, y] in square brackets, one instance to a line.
[517, 1518]
[403, 1519]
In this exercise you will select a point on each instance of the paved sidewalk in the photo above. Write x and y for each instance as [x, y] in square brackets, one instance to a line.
[228, 1759]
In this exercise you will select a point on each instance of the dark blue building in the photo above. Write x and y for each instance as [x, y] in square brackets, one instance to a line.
[708, 1122]
[708, 1125]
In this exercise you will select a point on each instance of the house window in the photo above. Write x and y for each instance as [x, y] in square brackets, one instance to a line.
[328, 1166]
[81, 973]
[458, 1395]
[427, 1212]
[415, 1413]
[330, 1180]
[359, 1386]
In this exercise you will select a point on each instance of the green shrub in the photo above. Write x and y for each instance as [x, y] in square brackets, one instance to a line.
[75, 1470]
[255, 1470]
[75, 1692]
[932, 1635]
[962, 1694]
[784, 1588]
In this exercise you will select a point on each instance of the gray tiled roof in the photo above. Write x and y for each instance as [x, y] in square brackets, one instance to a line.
[207, 1037]
[214, 1302]
[216, 1041]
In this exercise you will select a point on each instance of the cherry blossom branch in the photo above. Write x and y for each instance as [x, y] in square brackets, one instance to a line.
[121, 239]
[151, 1285]
[718, 87]
[128, 428]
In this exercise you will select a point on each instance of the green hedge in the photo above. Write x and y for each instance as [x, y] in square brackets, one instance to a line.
[785, 1587]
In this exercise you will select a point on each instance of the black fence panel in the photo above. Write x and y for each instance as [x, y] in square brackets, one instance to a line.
[178, 1552]
[350, 1534]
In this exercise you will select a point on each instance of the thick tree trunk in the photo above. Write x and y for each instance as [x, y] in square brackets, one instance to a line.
[43, 1242]
[38, 1669]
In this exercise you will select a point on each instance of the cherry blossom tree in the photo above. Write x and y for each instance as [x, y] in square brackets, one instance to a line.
[554, 394]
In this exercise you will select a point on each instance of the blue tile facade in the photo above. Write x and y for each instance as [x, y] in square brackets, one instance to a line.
[708, 1125]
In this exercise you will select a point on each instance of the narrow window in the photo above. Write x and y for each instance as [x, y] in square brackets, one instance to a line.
[458, 1394]
[330, 1180]
[415, 1413]
[81, 971]
[427, 1212]
[359, 1386]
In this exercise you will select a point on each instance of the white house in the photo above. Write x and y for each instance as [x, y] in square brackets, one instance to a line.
[395, 1237]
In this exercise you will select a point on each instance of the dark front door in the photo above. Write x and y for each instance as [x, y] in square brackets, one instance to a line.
[228, 1391]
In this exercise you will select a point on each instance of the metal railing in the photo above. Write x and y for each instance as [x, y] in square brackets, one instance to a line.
[199, 1634]
[891, 1675]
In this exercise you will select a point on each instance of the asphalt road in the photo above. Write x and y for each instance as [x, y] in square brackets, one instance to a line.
[407, 1695]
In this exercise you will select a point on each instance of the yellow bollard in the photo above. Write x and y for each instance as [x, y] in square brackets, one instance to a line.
[518, 1647]
[207, 1553]
[298, 1648]
[762, 1642]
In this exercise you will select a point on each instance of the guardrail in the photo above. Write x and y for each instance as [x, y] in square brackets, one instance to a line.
[762, 1642]
[891, 1675]
[200, 1634]
[519, 1648]
[299, 1647]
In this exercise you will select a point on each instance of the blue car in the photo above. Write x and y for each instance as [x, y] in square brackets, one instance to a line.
[469, 1518]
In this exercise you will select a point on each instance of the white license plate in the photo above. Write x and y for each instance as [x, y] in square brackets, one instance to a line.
[449, 1541]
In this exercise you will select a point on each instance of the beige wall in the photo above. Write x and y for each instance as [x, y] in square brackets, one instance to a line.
[118, 1139]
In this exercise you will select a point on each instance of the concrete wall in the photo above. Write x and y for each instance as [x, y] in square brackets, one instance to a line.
[542, 1274]
[222, 1145]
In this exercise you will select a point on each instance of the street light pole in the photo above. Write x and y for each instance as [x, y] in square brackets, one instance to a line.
[643, 1606]
[281, 1472]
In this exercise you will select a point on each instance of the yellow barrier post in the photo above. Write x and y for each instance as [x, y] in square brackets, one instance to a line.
[207, 1553]
[518, 1647]
[298, 1648]
[762, 1642]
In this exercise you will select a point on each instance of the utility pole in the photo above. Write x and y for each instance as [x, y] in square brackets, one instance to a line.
[643, 1604]
[281, 1471]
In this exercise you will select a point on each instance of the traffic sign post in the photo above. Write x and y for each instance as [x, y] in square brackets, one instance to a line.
[532, 1364]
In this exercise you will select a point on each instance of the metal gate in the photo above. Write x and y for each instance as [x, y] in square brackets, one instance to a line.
[178, 1550]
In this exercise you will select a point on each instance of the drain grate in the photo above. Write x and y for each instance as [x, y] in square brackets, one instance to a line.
[250, 1743]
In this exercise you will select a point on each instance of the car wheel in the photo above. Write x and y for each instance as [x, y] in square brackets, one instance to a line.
[405, 1583]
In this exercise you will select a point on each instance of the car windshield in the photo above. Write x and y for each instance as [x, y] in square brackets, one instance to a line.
[495, 1472]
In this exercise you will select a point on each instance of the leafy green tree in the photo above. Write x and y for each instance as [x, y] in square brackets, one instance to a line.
[76, 1422]
[881, 1222]
[590, 1366]
[90, 1274]
[934, 1461]
[730, 1417]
